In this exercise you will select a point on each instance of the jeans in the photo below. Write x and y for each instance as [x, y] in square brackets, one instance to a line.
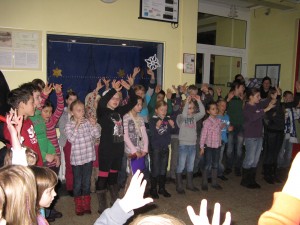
[272, 145]
[221, 166]
[186, 155]
[174, 156]
[211, 158]
[159, 161]
[82, 179]
[122, 174]
[285, 154]
[199, 160]
[234, 148]
[253, 150]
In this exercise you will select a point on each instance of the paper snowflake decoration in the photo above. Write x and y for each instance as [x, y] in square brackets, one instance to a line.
[152, 62]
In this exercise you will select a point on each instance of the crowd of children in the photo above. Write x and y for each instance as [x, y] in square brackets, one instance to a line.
[121, 135]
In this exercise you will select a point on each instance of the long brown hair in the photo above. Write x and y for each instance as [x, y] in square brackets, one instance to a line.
[18, 184]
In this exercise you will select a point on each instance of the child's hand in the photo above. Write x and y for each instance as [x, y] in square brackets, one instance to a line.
[169, 93]
[47, 89]
[116, 85]
[230, 96]
[57, 161]
[49, 158]
[197, 98]
[204, 88]
[158, 123]
[11, 124]
[172, 124]
[150, 73]
[202, 218]
[130, 80]
[58, 88]
[136, 70]
[78, 122]
[202, 151]
[93, 121]
[230, 128]
[125, 84]
[157, 89]
[183, 88]
[175, 89]
[134, 197]
[219, 91]
[99, 85]
[106, 83]
[138, 154]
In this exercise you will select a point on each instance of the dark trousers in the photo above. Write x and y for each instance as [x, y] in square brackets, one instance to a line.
[159, 161]
[272, 144]
[211, 158]
[82, 179]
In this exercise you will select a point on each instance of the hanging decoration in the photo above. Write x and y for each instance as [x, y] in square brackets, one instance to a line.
[121, 73]
[57, 72]
[152, 62]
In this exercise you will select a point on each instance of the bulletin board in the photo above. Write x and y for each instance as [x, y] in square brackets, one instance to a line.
[20, 49]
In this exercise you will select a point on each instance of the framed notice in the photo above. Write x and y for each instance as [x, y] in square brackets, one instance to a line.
[268, 70]
[188, 63]
[160, 10]
[20, 49]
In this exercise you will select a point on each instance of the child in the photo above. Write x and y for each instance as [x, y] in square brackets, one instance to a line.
[253, 112]
[19, 186]
[235, 102]
[63, 143]
[160, 128]
[51, 120]
[135, 136]
[81, 134]
[46, 180]
[222, 115]
[22, 101]
[159, 95]
[111, 148]
[210, 145]
[187, 141]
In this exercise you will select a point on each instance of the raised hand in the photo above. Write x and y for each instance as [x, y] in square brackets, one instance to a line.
[116, 85]
[125, 84]
[130, 80]
[48, 88]
[183, 88]
[219, 91]
[58, 88]
[197, 98]
[169, 93]
[136, 70]
[106, 83]
[172, 124]
[175, 89]
[134, 197]
[204, 88]
[230, 96]
[202, 218]
[157, 89]
[99, 85]
[151, 73]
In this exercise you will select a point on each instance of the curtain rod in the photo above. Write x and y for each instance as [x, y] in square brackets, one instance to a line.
[86, 43]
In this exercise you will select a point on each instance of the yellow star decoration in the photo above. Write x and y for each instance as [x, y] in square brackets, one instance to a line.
[57, 72]
[121, 73]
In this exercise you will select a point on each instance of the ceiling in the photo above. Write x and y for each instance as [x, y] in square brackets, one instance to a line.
[275, 4]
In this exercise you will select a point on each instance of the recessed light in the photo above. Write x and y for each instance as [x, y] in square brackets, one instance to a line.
[124, 44]
[73, 41]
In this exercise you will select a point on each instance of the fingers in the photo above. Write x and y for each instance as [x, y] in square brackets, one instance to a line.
[227, 219]
[203, 208]
[216, 216]
[192, 214]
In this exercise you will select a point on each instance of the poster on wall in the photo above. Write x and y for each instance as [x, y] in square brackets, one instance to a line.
[20, 49]
[268, 70]
[160, 10]
[188, 63]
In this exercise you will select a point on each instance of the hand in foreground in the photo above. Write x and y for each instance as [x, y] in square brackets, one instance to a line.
[202, 218]
[134, 197]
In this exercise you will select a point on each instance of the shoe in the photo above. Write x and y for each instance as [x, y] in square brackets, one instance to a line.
[161, 184]
[153, 193]
[86, 203]
[50, 219]
[217, 187]
[56, 214]
[78, 206]
[189, 182]
[223, 177]
[164, 193]
[227, 171]
[71, 193]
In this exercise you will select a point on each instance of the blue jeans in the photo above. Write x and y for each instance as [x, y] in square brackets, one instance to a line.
[253, 150]
[186, 155]
[174, 156]
[211, 158]
[285, 154]
[159, 161]
[82, 179]
[221, 166]
[199, 160]
[234, 148]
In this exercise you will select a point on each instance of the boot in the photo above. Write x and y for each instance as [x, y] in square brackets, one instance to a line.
[245, 177]
[86, 200]
[78, 206]
[189, 182]
[179, 185]
[114, 193]
[275, 174]
[204, 186]
[162, 190]
[214, 176]
[253, 183]
[102, 200]
[153, 190]
[268, 174]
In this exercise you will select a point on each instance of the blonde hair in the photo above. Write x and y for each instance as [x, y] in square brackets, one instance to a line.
[31, 157]
[18, 184]
[45, 178]
[2, 201]
[162, 219]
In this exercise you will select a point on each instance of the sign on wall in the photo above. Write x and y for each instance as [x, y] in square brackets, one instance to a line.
[20, 49]
[161, 10]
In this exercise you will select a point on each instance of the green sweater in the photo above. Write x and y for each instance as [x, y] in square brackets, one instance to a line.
[152, 104]
[235, 111]
[40, 129]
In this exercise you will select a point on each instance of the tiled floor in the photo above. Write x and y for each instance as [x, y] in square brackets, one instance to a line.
[245, 205]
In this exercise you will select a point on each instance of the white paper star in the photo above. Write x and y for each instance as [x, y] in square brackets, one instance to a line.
[152, 62]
